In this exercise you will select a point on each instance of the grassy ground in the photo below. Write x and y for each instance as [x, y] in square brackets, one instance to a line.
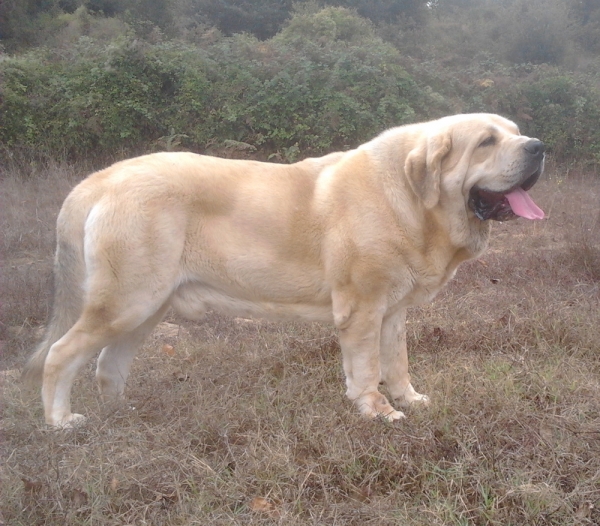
[229, 421]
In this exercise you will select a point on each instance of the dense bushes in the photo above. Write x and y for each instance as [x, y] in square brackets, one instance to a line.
[98, 101]
[333, 90]
[325, 82]
[567, 113]
[549, 102]
[561, 108]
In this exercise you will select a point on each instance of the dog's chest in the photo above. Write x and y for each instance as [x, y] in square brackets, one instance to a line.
[420, 280]
[420, 291]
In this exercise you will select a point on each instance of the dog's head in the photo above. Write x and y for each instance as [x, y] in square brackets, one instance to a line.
[484, 156]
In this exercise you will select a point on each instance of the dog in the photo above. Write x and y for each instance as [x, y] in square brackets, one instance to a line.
[353, 238]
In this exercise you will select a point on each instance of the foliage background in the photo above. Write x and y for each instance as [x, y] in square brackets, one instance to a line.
[104, 79]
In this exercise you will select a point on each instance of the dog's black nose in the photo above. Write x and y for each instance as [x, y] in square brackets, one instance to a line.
[535, 147]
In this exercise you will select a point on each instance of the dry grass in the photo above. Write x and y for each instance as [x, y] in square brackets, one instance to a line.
[247, 423]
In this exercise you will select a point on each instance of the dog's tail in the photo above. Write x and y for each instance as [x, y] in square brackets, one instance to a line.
[69, 276]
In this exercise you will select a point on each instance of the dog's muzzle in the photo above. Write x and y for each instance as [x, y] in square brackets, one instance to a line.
[515, 202]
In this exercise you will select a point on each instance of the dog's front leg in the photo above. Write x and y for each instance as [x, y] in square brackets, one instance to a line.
[394, 360]
[359, 325]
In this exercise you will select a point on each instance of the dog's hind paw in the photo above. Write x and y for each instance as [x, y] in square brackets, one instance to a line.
[68, 422]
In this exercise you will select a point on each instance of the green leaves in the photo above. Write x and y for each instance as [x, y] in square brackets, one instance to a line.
[126, 96]
[325, 82]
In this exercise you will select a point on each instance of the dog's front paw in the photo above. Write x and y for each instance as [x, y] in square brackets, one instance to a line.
[420, 399]
[375, 405]
[410, 397]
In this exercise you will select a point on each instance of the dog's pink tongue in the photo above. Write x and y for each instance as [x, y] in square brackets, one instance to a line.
[523, 205]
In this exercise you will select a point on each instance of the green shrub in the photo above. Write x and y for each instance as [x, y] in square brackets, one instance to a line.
[112, 100]
[560, 107]
[325, 82]
[567, 112]
[339, 87]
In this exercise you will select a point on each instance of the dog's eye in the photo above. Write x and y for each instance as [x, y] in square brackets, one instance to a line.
[490, 141]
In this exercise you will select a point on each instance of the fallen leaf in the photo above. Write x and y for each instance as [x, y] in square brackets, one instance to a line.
[169, 350]
[31, 486]
[485, 83]
[114, 484]
[262, 505]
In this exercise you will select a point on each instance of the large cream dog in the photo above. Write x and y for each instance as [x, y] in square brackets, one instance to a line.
[352, 238]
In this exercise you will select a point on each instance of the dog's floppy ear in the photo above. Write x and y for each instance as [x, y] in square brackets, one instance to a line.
[423, 168]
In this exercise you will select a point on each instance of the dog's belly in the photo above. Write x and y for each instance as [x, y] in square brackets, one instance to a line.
[193, 299]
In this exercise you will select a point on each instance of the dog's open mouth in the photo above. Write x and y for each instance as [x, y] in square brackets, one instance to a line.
[502, 206]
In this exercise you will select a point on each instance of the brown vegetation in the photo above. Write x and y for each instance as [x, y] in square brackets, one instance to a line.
[230, 421]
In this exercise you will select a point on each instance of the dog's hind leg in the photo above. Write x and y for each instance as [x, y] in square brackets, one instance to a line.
[115, 359]
[132, 269]
[96, 329]
[116, 314]
[65, 358]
